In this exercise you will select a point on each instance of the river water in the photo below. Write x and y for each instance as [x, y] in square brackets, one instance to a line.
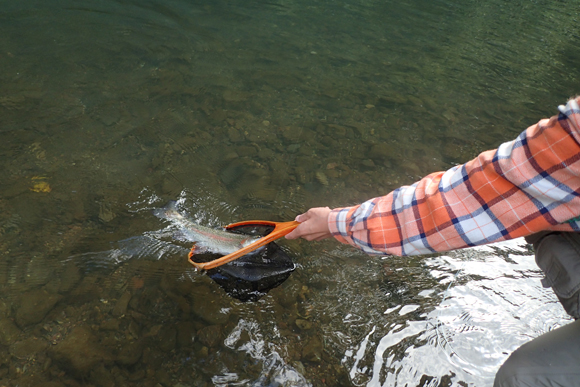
[259, 110]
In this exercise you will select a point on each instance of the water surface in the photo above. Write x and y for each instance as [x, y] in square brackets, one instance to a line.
[242, 110]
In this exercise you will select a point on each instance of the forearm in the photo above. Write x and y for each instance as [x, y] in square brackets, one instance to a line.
[526, 185]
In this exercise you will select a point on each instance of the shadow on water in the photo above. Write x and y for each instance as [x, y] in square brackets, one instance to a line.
[258, 110]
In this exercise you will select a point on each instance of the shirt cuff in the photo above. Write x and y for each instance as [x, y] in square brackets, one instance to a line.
[337, 223]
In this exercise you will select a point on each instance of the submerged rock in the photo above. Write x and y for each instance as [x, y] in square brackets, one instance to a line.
[70, 276]
[246, 151]
[368, 163]
[9, 332]
[110, 325]
[163, 377]
[210, 336]
[234, 135]
[235, 95]
[312, 351]
[34, 381]
[79, 352]
[321, 177]
[208, 306]
[34, 306]
[106, 214]
[121, 306]
[381, 151]
[166, 338]
[101, 377]
[39, 271]
[185, 334]
[130, 353]
[290, 133]
[27, 348]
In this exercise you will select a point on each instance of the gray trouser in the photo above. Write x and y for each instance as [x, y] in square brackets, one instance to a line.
[552, 359]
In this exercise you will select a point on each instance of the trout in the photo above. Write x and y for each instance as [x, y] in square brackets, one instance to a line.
[206, 239]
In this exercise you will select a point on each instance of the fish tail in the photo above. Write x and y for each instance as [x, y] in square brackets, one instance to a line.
[197, 249]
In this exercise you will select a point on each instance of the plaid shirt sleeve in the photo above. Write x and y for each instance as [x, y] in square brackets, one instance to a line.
[527, 185]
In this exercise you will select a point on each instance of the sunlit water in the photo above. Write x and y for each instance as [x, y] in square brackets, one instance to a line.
[249, 110]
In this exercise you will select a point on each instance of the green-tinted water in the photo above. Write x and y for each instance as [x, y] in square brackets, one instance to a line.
[251, 109]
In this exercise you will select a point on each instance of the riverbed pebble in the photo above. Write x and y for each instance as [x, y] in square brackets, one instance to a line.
[303, 324]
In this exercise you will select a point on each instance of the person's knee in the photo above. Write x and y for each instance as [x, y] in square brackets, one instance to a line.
[549, 360]
[511, 371]
[557, 254]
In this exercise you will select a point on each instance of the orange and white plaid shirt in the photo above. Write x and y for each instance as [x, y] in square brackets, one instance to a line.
[527, 185]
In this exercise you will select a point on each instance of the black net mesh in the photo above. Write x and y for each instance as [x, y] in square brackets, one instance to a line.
[251, 276]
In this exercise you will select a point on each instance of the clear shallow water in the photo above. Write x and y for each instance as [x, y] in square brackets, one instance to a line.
[259, 110]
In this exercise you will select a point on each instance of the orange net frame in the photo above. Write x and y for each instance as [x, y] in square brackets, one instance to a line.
[280, 230]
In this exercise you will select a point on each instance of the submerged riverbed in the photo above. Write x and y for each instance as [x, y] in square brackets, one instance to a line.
[259, 110]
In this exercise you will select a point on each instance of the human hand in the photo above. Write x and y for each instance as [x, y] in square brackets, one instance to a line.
[313, 225]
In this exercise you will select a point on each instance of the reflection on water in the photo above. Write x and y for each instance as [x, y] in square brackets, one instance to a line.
[258, 110]
[483, 306]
